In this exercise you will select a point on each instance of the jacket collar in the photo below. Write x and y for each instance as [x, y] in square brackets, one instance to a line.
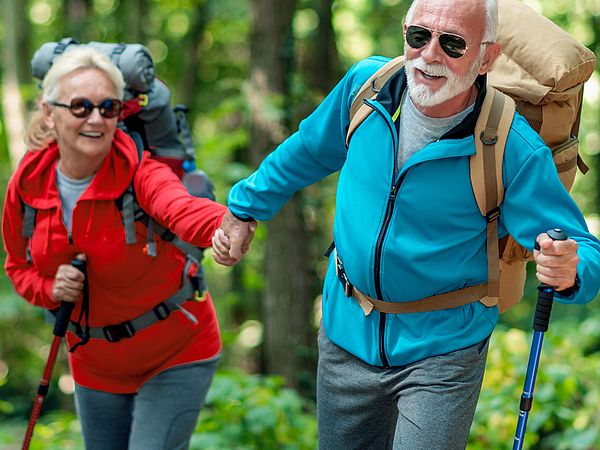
[36, 175]
[390, 96]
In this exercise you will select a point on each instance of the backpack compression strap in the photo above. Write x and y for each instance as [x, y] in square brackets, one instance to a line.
[491, 132]
[358, 110]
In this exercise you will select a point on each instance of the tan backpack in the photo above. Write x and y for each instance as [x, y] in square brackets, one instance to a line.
[541, 72]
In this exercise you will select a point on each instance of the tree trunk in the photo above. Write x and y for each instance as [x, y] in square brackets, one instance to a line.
[16, 71]
[324, 60]
[76, 13]
[189, 78]
[134, 13]
[287, 304]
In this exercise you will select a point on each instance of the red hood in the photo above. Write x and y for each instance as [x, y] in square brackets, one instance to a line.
[36, 174]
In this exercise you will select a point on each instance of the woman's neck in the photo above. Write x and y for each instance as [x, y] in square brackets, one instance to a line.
[78, 170]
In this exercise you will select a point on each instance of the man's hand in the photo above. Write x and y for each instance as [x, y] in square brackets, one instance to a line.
[232, 240]
[556, 262]
[68, 283]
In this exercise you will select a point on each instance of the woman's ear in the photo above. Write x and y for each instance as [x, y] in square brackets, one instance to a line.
[47, 111]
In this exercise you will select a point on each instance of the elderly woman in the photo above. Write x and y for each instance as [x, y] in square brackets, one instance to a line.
[152, 346]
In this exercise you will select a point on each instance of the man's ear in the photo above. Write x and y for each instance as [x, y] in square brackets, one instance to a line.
[492, 52]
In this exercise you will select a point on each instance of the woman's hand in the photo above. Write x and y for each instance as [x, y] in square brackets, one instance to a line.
[68, 283]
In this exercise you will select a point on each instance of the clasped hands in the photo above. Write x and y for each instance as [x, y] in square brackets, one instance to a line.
[232, 241]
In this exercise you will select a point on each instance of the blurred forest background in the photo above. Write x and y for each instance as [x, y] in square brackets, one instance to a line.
[249, 71]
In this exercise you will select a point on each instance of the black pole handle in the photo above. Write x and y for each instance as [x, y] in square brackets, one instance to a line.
[546, 293]
[66, 308]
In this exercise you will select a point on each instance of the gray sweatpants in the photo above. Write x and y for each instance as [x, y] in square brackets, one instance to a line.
[162, 415]
[428, 405]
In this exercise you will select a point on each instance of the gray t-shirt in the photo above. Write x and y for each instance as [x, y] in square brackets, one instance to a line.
[417, 130]
[69, 191]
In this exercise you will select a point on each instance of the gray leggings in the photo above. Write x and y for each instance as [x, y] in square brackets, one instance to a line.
[425, 405]
[162, 415]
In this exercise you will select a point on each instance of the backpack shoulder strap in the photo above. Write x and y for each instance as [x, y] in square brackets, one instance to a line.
[127, 203]
[29, 215]
[358, 110]
[491, 132]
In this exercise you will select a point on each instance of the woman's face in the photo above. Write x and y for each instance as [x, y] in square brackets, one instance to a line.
[86, 139]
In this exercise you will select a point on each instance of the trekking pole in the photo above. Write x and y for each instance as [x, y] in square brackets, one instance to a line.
[60, 328]
[540, 326]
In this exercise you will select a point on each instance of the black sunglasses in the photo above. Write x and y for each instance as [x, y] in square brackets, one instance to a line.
[453, 45]
[109, 108]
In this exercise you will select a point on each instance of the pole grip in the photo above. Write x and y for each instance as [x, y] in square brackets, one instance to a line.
[546, 293]
[62, 318]
[543, 308]
[66, 308]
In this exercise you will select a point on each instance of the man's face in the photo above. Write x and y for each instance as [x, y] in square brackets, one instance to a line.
[434, 77]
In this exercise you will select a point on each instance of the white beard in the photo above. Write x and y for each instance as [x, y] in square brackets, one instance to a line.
[422, 95]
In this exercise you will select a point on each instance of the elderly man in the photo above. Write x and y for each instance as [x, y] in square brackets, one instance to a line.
[407, 228]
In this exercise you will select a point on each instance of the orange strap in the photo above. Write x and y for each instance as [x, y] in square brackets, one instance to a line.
[434, 303]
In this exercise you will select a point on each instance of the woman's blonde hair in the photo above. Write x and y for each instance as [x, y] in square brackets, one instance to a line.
[38, 135]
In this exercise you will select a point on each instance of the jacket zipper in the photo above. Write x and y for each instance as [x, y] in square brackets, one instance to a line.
[379, 245]
[69, 234]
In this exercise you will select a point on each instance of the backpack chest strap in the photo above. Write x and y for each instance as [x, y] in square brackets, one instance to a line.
[447, 300]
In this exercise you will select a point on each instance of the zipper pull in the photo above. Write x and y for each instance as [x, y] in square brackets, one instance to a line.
[393, 193]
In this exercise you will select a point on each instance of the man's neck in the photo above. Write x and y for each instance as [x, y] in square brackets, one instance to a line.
[451, 106]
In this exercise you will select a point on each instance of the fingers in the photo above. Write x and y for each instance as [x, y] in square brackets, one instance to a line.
[556, 262]
[238, 240]
[68, 284]
[220, 249]
[233, 239]
[251, 231]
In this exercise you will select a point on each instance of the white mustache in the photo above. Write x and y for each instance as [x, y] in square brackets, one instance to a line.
[438, 70]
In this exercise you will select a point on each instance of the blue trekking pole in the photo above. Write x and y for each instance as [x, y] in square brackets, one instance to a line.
[540, 326]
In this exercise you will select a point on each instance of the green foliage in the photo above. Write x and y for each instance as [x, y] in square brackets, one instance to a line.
[242, 412]
[247, 411]
[56, 431]
[565, 412]
[253, 412]
[25, 339]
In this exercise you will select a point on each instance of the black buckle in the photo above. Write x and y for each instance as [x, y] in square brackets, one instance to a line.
[488, 140]
[343, 278]
[114, 333]
[162, 311]
[493, 214]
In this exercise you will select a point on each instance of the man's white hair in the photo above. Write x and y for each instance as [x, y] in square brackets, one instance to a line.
[490, 33]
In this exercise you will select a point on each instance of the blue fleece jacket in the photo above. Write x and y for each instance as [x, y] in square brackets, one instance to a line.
[409, 233]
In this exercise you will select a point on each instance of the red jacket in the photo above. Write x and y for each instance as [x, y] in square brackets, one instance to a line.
[124, 282]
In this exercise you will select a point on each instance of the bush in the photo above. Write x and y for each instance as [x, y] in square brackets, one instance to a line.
[565, 413]
[242, 412]
[254, 412]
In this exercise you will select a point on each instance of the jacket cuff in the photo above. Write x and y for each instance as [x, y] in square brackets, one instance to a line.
[243, 219]
[569, 292]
